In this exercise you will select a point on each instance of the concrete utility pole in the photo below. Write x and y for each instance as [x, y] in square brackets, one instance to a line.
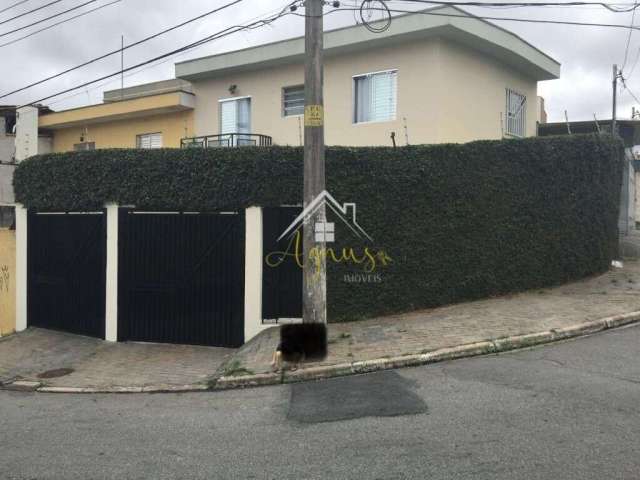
[615, 94]
[314, 291]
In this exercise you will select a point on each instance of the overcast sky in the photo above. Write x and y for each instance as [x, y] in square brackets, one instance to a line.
[586, 53]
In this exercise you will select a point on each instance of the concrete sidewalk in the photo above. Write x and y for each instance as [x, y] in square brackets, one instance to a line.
[368, 343]
[65, 362]
[59, 362]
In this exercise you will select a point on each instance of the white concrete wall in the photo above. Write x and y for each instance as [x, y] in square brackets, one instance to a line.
[26, 139]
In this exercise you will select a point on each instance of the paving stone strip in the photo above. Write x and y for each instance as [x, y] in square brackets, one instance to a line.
[480, 327]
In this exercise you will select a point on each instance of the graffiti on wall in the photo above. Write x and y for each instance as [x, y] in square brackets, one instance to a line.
[5, 277]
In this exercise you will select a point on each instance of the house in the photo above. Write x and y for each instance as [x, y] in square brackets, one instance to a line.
[429, 78]
[153, 115]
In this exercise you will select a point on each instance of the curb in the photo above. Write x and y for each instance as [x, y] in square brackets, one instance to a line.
[451, 353]
[321, 372]
[115, 389]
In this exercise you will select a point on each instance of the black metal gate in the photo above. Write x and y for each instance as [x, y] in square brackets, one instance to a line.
[281, 284]
[181, 278]
[66, 262]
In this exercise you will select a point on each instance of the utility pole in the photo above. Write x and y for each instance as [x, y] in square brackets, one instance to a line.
[615, 92]
[314, 301]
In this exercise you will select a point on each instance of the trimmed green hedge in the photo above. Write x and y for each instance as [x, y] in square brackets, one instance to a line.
[460, 222]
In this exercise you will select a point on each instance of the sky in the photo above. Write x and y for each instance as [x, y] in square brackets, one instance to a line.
[586, 53]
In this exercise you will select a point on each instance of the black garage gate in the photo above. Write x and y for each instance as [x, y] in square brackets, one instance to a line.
[66, 272]
[181, 278]
[281, 285]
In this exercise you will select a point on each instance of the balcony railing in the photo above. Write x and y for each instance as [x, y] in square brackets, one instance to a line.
[227, 140]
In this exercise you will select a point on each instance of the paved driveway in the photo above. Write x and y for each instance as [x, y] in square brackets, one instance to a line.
[89, 362]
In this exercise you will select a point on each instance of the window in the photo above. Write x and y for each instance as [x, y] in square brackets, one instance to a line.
[235, 115]
[80, 147]
[149, 140]
[293, 100]
[516, 109]
[235, 122]
[7, 217]
[375, 97]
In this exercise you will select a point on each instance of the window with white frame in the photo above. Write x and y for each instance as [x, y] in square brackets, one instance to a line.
[375, 96]
[293, 100]
[516, 118]
[235, 115]
[149, 140]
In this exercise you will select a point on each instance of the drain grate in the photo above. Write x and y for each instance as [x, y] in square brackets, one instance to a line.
[58, 372]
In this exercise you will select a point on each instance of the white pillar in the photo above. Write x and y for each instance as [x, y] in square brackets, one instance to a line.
[111, 294]
[26, 140]
[253, 273]
[21, 268]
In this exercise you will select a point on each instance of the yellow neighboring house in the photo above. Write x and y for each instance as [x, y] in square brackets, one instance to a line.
[152, 115]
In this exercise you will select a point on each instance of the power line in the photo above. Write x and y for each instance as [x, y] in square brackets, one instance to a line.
[626, 49]
[155, 64]
[613, 7]
[505, 19]
[23, 14]
[119, 50]
[58, 23]
[624, 84]
[14, 5]
[47, 18]
[222, 33]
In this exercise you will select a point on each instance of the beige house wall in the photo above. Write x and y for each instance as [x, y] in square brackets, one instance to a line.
[122, 133]
[447, 93]
[7, 282]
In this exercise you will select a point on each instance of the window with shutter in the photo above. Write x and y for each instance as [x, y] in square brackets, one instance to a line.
[293, 100]
[235, 116]
[149, 140]
[375, 97]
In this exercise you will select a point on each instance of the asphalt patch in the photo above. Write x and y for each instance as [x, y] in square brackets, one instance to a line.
[56, 373]
[380, 394]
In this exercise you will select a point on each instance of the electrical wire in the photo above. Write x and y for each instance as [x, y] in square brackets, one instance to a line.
[624, 84]
[626, 49]
[505, 19]
[58, 23]
[14, 5]
[155, 64]
[613, 7]
[119, 50]
[47, 18]
[223, 33]
[23, 14]
[385, 23]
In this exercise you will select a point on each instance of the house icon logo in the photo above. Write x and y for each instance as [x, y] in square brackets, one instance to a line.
[326, 231]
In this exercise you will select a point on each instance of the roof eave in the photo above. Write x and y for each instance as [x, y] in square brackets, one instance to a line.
[475, 32]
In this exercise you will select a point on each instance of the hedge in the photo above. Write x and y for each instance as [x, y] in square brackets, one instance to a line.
[460, 222]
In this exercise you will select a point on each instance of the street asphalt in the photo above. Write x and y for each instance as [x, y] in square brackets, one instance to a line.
[564, 411]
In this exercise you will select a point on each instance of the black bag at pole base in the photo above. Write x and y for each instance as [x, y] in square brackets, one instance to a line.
[303, 341]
